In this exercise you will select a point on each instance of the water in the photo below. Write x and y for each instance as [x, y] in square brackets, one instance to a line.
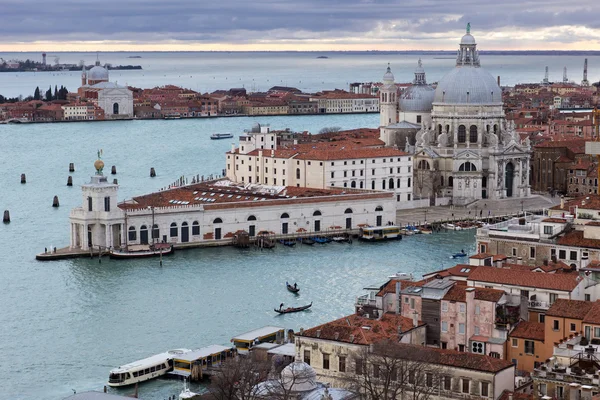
[208, 71]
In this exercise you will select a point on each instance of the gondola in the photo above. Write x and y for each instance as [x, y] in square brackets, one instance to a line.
[307, 241]
[289, 243]
[293, 309]
[321, 240]
[458, 255]
[291, 288]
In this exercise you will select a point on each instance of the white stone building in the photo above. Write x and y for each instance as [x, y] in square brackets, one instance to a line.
[468, 151]
[213, 212]
[360, 164]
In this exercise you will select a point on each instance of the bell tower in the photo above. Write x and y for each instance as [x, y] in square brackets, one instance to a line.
[83, 76]
[388, 100]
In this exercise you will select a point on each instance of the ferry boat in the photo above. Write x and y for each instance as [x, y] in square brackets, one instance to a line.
[376, 233]
[143, 370]
[217, 136]
[143, 251]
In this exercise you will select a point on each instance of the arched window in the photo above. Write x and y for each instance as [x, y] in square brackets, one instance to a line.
[378, 208]
[439, 129]
[143, 234]
[348, 211]
[217, 221]
[373, 185]
[361, 184]
[398, 183]
[383, 184]
[132, 233]
[408, 182]
[451, 181]
[442, 180]
[462, 134]
[116, 108]
[447, 128]
[297, 173]
[423, 164]
[353, 184]
[173, 230]
[285, 215]
[496, 128]
[155, 231]
[195, 228]
[317, 213]
[391, 184]
[473, 134]
[252, 218]
[467, 167]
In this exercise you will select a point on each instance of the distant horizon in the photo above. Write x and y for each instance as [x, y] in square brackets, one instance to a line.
[591, 52]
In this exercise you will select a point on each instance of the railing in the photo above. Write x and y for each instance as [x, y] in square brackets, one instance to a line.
[539, 304]
[365, 301]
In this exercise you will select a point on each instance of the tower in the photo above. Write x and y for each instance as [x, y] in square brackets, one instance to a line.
[546, 81]
[388, 110]
[44, 58]
[565, 79]
[83, 76]
[585, 81]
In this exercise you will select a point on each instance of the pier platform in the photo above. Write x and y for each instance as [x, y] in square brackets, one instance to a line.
[66, 252]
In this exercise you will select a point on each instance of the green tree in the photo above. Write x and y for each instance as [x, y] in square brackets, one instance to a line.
[49, 94]
[36, 94]
[55, 97]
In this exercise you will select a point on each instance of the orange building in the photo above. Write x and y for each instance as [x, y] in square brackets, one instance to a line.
[526, 346]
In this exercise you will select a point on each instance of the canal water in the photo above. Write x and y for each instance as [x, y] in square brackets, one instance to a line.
[65, 324]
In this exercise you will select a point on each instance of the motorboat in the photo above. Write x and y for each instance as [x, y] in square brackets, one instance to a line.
[142, 251]
[217, 136]
[145, 369]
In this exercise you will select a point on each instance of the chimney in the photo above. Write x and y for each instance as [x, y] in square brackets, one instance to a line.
[272, 153]
[546, 262]
[562, 202]
[584, 261]
[351, 338]
[510, 396]
[318, 333]
[520, 260]
[498, 80]
[336, 335]
[233, 147]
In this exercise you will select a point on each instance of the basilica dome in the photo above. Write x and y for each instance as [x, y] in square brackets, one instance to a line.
[299, 376]
[98, 73]
[419, 96]
[468, 83]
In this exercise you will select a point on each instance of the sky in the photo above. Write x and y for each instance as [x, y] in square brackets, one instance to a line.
[303, 25]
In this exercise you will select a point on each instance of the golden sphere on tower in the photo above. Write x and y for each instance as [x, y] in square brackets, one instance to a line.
[99, 165]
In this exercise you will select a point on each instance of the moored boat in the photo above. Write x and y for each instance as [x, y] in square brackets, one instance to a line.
[143, 370]
[307, 241]
[289, 243]
[217, 136]
[292, 309]
[322, 240]
[143, 251]
[293, 289]
[451, 227]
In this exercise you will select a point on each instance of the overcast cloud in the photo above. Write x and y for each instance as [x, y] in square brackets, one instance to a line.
[367, 23]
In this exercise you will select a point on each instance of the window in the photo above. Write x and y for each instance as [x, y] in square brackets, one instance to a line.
[297, 173]
[555, 325]
[547, 230]
[562, 254]
[447, 383]
[418, 119]
[573, 328]
[375, 371]
[195, 228]
[532, 252]
[514, 251]
[307, 356]
[132, 233]
[342, 363]
[477, 310]
[444, 306]
[485, 389]
[529, 347]
[473, 134]
[514, 342]
[461, 329]
[466, 383]
[467, 167]
[444, 326]
[429, 379]
[332, 174]
[107, 204]
[476, 330]
[462, 134]
[358, 367]
[155, 231]
[588, 297]
[325, 361]
[573, 255]
[553, 298]
[412, 304]
[462, 307]
[597, 332]
[173, 230]
[542, 318]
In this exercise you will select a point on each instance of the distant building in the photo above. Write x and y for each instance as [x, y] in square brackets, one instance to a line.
[114, 99]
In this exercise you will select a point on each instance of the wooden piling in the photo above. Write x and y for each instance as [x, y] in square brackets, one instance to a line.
[70, 181]
[23, 178]
[55, 202]
[152, 172]
[113, 170]
[6, 217]
[71, 167]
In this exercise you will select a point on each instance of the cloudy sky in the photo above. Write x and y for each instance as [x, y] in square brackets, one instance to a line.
[88, 25]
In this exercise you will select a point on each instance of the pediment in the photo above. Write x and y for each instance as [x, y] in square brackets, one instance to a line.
[467, 154]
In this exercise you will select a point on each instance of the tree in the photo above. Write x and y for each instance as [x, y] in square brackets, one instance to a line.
[330, 129]
[55, 97]
[49, 94]
[36, 94]
[390, 370]
[238, 379]
[427, 180]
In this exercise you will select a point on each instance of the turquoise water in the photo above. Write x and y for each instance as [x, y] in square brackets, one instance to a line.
[65, 324]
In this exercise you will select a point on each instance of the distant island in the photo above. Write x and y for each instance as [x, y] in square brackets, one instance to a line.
[322, 57]
[36, 66]
[134, 57]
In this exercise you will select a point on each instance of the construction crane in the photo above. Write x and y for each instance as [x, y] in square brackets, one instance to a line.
[565, 79]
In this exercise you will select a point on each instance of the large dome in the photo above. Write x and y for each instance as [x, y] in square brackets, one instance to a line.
[299, 376]
[468, 85]
[417, 98]
[98, 73]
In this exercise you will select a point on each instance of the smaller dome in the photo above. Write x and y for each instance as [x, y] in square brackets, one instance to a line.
[98, 73]
[299, 376]
[99, 165]
[417, 98]
[388, 77]
[467, 39]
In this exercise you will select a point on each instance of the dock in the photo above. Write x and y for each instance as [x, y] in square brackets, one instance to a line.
[197, 364]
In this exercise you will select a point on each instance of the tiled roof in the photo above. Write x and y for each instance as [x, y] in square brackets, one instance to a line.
[562, 282]
[529, 330]
[459, 293]
[360, 330]
[486, 294]
[575, 309]
[593, 316]
[590, 202]
[481, 256]
[506, 395]
[576, 239]
[390, 286]
[456, 293]
[555, 220]
[462, 270]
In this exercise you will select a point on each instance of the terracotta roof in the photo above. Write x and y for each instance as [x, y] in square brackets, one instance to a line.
[500, 257]
[481, 256]
[555, 220]
[456, 293]
[529, 330]
[390, 286]
[593, 316]
[576, 239]
[459, 293]
[360, 330]
[486, 294]
[562, 282]
[506, 395]
[462, 270]
[593, 223]
[575, 309]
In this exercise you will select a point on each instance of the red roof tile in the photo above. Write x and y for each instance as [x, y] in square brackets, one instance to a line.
[564, 308]
[593, 316]
[562, 282]
[529, 330]
[576, 239]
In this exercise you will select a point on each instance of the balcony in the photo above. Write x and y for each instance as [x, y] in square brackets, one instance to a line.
[364, 300]
[540, 305]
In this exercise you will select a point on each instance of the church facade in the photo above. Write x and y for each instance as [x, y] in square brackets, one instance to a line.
[464, 149]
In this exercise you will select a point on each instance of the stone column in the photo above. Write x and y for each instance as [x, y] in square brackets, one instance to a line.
[454, 128]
